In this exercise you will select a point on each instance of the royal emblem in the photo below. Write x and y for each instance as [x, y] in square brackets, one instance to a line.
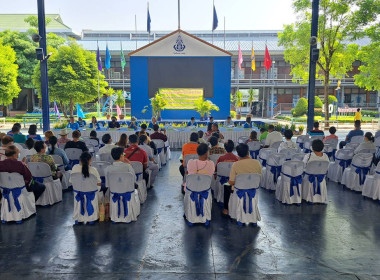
[179, 46]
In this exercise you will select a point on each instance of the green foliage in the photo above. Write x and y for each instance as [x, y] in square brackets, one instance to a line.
[301, 128]
[158, 103]
[120, 100]
[331, 99]
[233, 114]
[238, 100]
[369, 76]
[60, 125]
[318, 102]
[301, 107]
[9, 88]
[205, 107]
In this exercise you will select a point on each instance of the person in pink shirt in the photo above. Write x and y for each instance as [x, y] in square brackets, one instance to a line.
[332, 135]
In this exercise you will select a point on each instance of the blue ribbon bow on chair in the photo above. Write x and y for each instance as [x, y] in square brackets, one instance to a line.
[138, 176]
[40, 179]
[275, 170]
[125, 198]
[254, 154]
[264, 161]
[16, 192]
[73, 162]
[89, 198]
[307, 151]
[316, 179]
[329, 154]
[344, 163]
[362, 171]
[242, 194]
[294, 182]
[300, 145]
[159, 150]
[198, 198]
[223, 179]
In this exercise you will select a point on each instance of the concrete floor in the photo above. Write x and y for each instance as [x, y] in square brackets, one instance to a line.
[340, 240]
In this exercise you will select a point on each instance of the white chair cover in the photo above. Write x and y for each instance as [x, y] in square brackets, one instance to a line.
[351, 146]
[125, 202]
[314, 137]
[214, 158]
[332, 142]
[65, 173]
[92, 142]
[12, 185]
[222, 177]
[289, 185]
[288, 153]
[298, 156]
[276, 145]
[314, 182]
[371, 187]
[73, 154]
[41, 173]
[198, 199]
[106, 157]
[329, 151]
[86, 207]
[367, 151]
[272, 171]
[307, 145]
[138, 167]
[357, 139]
[254, 149]
[355, 175]
[243, 204]
[243, 139]
[101, 167]
[189, 157]
[264, 154]
[377, 141]
[301, 140]
[160, 145]
[343, 158]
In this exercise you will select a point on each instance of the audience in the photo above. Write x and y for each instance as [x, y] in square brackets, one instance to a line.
[229, 122]
[63, 137]
[18, 137]
[358, 115]
[368, 143]
[76, 142]
[244, 165]
[288, 143]
[215, 129]
[135, 153]
[133, 124]
[32, 132]
[200, 137]
[108, 146]
[332, 135]
[215, 149]
[81, 122]
[41, 156]
[272, 137]
[94, 123]
[72, 124]
[10, 133]
[5, 142]
[123, 141]
[316, 131]
[120, 164]
[142, 131]
[356, 132]
[48, 134]
[263, 134]
[229, 156]
[113, 123]
[29, 151]
[94, 136]
[54, 150]
[85, 168]
[152, 165]
[189, 149]
[317, 152]
[248, 123]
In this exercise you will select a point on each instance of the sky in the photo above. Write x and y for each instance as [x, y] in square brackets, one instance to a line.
[195, 14]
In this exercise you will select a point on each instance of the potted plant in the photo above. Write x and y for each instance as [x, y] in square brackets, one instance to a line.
[158, 104]
[238, 104]
[251, 94]
[204, 107]
[233, 114]
[120, 101]
[301, 128]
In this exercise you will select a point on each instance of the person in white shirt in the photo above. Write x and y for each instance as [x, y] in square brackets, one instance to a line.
[120, 164]
[229, 122]
[273, 137]
[107, 140]
[85, 168]
[152, 165]
[368, 143]
[288, 143]
[29, 151]
[317, 154]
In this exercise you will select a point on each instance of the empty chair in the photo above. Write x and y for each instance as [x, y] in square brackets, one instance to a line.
[298, 156]
[288, 153]
[65, 174]
[343, 160]
[314, 137]
[73, 155]
[254, 149]
[301, 140]
[86, 207]
[264, 154]
[357, 139]
[222, 177]
[101, 167]
[272, 171]
[106, 157]
[243, 139]
[160, 145]
[198, 200]
[355, 175]
[124, 202]
[289, 185]
[314, 188]
[371, 187]
[307, 146]
[41, 173]
[275, 145]
[243, 204]
[214, 158]
[138, 167]
[329, 151]
[17, 203]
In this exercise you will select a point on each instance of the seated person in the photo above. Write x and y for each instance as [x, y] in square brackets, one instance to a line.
[332, 135]
[54, 150]
[263, 134]
[211, 120]
[120, 164]
[152, 123]
[200, 137]
[229, 122]
[5, 142]
[316, 131]
[18, 137]
[215, 149]
[29, 143]
[244, 165]
[113, 123]
[209, 130]
[94, 136]
[288, 144]
[85, 168]
[158, 135]
[108, 146]
[63, 139]
[356, 132]
[215, 129]
[133, 124]
[94, 123]
[10, 133]
[252, 136]
[123, 141]
[76, 142]
[41, 156]
[32, 131]
[192, 122]
[142, 131]
[368, 143]
[189, 149]
[12, 165]
[72, 124]
[317, 154]
[135, 153]
[152, 165]
[229, 156]
[248, 123]
[272, 137]
[81, 122]
[48, 134]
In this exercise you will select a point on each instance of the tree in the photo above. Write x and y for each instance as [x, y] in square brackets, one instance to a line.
[251, 96]
[73, 76]
[331, 100]
[301, 107]
[9, 88]
[238, 101]
[338, 23]
[318, 102]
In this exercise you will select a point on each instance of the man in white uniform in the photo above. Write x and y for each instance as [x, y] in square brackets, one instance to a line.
[273, 137]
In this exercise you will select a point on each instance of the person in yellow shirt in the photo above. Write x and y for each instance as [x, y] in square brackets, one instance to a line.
[358, 115]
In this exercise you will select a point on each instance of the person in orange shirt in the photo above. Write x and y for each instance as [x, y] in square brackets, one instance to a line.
[189, 149]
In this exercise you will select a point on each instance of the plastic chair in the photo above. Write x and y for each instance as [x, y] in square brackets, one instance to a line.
[307, 146]
[288, 153]
[264, 154]
[101, 167]
[301, 140]
[357, 139]
[243, 139]
[65, 174]
[343, 160]
[125, 202]
[41, 173]
[355, 175]
[160, 145]
[214, 157]
[86, 206]
[329, 151]
[332, 142]
[243, 204]
[198, 199]
[275, 145]
[314, 188]
[254, 149]
[272, 171]
[351, 146]
[73, 154]
[222, 177]
[289, 185]
[138, 167]
[106, 157]
[92, 142]
[17, 203]
[298, 156]
[371, 187]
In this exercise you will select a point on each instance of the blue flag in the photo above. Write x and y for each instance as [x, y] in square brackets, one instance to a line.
[214, 20]
[108, 58]
[148, 22]
[80, 113]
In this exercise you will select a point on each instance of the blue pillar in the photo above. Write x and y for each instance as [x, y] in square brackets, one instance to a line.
[43, 66]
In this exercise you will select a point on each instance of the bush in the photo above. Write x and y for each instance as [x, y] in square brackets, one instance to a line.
[318, 102]
[332, 99]
[318, 112]
[233, 114]
[369, 113]
[301, 108]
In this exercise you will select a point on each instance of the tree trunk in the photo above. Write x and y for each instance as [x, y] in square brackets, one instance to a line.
[326, 93]
[5, 111]
[71, 108]
[63, 109]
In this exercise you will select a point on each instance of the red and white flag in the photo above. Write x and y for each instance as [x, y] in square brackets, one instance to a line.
[240, 57]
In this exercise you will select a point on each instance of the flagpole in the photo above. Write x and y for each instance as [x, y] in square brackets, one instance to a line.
[149, 24]
[179, 14]
[98, 85]
[224, 33]
[136, 30]
[213, 7]
[251, 68]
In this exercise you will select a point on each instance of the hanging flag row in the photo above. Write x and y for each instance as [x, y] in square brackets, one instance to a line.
[267, 58]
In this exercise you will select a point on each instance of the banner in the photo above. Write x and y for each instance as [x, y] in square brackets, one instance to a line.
[181, 98]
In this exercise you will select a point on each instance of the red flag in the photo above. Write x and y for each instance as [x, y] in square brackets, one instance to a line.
[267, 60]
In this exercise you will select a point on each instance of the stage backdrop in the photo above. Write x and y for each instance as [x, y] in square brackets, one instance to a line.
[181, 67]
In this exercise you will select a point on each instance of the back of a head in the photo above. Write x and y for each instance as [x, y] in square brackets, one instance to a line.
[133, 139]
[317, 145]
[213, 141]
[143, 126]
[117, 152]
[10, 151]
[6, 140]
[76, 134]
[242, 150]
[39, 146]
[216, 134]
[248, 119]
[18, 124]
[194, 137]
[142, 139]
[262, 130]
[15, 129]
[156, 127]
[316, 125]
[369, 136]
[358, 110]
[200, 134]
[202, 149]
[332, 130]
[106, 138]
[357, 124]
[209, 126]
[32, 129]
[29, 143]
[288, 134]
[253, 135]
[192, 118]
[229, 146]
[93, 134]
[85, 158]
[53, 140]
[271, 127]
